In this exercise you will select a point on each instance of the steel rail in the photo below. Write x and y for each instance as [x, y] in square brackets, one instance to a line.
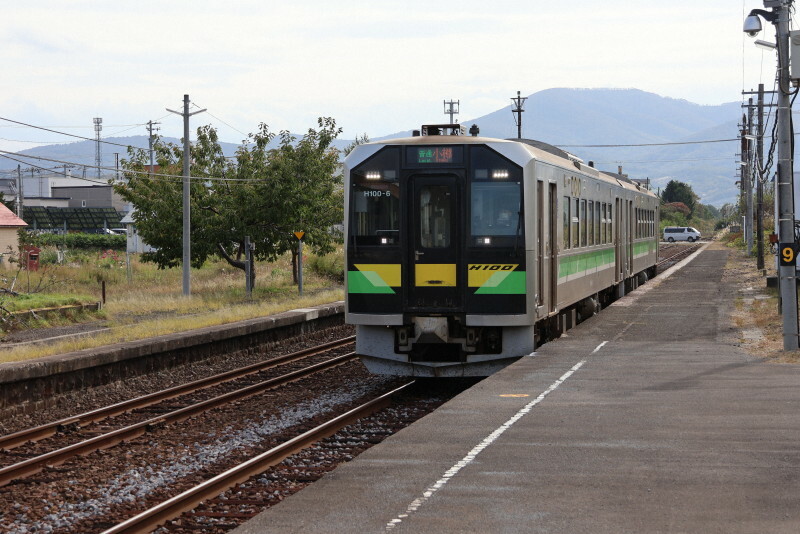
[174, 507]
[16, 439]
[684, 252]
[34, 465]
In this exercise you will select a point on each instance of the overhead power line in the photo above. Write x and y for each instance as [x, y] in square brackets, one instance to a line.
[7, 154]
[65, 133]
[651, 144]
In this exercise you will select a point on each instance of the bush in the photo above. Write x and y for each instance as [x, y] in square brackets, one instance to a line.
[79, 241]
[330, 266]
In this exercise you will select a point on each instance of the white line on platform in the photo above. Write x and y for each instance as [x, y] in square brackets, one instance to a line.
[428, 493]
[600, 346]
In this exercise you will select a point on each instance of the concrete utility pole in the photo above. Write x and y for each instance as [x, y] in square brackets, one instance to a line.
[98, 159]
[787, 274]
[451, 108]
[749, 178]
[187, 246]
[150, 129]
[757, 164]
[760, 180]
[787, 253]
[20, 207]
[518, 111]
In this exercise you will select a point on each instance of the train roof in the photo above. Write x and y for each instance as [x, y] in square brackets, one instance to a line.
[538, 149]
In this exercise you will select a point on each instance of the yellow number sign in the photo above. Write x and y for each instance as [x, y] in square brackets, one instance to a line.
[788, 254]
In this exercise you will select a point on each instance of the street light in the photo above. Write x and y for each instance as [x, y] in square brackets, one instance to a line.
[779, 17]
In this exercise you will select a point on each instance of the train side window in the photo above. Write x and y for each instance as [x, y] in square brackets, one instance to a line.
[590, 223]
[583, 223]
[603, 223]
[575, 226]
[597, 219]
[567, 219]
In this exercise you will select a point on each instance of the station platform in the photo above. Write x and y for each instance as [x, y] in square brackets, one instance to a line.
[646, 418]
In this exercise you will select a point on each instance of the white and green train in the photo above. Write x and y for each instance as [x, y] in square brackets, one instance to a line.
[464, 253]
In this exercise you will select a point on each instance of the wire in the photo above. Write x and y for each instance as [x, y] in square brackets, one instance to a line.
[53, 171]
[650, 144]
[4, 153]
[64, 133]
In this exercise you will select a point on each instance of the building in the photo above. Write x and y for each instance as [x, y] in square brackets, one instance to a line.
[9, 240]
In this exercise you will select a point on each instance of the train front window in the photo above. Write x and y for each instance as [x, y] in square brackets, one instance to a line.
[376, 213]
[375, 200]
[495, 209]
[435, 212]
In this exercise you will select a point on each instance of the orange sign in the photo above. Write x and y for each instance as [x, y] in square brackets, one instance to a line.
[299, 235]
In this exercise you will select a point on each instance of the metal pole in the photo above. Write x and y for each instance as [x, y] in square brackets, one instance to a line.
[749, 169]
[247, 267]
[187, 238]
[785, 183]
[759, 158]
[300, 266]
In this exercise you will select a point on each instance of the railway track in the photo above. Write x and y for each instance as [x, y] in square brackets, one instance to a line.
[671, 254]
[143, 410]
[94, 493]
[185, 502]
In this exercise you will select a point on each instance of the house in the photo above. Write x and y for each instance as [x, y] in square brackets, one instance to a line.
[9, 225]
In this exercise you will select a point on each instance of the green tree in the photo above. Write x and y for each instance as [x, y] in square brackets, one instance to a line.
[680, 192]
[262, 193]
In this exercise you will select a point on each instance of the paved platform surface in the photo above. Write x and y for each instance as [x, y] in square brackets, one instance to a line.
[646, 418]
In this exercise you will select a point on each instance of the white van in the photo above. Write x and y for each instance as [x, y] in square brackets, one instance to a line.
[681, 233]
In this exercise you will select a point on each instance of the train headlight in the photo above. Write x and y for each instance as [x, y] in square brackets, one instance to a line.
[484, 240]
[373, 175]
[500, 174]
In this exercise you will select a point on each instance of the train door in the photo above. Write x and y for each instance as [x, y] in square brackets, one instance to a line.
[631, 235]
[552, 247]
[619, 241]
[541, 245]
[434, 251]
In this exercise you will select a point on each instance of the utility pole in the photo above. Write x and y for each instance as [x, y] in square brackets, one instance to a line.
[749, 178]
[757, 163]
[150, 129]
[785, 183]
[451, 108]
[760, 180]
[20, 207]
[518, 111]
[187, 256]
[98, 160]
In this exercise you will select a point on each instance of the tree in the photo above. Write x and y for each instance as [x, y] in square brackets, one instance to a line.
[680, 192]
[262, 193]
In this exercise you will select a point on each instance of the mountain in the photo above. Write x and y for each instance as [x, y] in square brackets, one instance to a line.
[570, 117]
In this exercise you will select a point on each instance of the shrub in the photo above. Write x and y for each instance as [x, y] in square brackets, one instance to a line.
[79, 241]
[330, 266]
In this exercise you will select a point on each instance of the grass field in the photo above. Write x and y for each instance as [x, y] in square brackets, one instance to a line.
[143, 301]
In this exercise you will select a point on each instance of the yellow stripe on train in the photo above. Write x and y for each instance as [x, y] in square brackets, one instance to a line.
[479, 273]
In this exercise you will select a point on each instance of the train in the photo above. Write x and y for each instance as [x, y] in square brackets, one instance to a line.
[465, 253]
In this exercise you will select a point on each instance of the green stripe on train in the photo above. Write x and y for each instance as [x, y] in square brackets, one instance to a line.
[367, 282]
[583, 262]
[504, 283]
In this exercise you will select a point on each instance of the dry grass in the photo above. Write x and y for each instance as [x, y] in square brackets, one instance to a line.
[755, 310]
[152, 302]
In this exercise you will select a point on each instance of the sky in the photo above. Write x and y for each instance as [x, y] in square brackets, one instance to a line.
[377, 67]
